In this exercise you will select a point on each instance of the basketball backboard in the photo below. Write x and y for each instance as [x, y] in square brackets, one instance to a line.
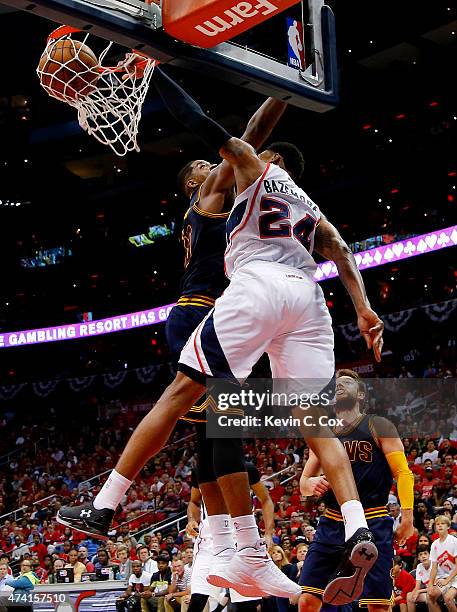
[137, 25]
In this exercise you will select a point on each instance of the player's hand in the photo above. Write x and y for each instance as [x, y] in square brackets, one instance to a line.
[268, 540]
[371, 327]
[404, 531]
[134, 65]
[442, 582]
[314, 486]
[192, 529]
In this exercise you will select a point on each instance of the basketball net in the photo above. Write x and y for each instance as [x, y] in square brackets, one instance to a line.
[111, 110]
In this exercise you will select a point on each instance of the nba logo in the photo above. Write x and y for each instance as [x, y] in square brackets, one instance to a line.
[295, 47]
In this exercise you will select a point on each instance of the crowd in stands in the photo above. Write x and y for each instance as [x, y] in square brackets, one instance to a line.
[39, 544]
[40, 477]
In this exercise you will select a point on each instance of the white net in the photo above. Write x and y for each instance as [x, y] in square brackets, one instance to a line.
[109, 100]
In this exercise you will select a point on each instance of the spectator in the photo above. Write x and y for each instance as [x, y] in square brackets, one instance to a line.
[57, 565]
[423, 570]
[160, 583]
[310, 533]
[148, 564]
[179, 587]
[4, 560]
[67, 546]
[443, 556]
[188, 557]
[4, 588]
[453, 496]
[395, 513]
[138, 583]
[404, 583]
[427, 483]
[279, 558]
[26, 581]
[83, 557]
[302, 550]
[103, 562]
[445, 449]
[125, 563]
[171, 503]
[78, 568]
[85, 495]
[40, 572]
[182, 470]
[38, 548]
[431, 452]
[20, 549]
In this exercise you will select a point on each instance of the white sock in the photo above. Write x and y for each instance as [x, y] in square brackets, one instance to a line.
[354, 517]
[220, 526]
[246, 531]
[112, 491]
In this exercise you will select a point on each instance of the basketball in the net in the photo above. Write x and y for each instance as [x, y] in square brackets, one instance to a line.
[67, 69]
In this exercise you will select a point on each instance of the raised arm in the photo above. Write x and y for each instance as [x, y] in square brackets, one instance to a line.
[240, 155]
[330, 244]
[221, 181]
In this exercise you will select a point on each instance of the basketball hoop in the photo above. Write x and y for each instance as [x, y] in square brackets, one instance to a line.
[109, 100]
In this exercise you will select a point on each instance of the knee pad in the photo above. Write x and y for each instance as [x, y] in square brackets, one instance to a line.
[228, 457]
[205, 468]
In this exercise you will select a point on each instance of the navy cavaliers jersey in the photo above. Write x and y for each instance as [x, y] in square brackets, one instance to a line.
[370, 468]
[204, 241]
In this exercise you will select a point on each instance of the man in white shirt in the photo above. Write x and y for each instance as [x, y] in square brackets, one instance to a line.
[423, 571]
[138, 582]
[443, 577]
[4, 588]
[148, 564]
[431, 453]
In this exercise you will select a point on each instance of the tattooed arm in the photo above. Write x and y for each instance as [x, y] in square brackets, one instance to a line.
[330, 244]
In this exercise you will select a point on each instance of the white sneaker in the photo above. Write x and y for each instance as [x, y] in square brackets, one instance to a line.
[220, 576]
[253, 568]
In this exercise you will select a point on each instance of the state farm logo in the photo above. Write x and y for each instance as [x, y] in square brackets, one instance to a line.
[236, 16]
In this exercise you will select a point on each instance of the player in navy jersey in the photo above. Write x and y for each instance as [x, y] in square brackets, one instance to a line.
[272, 304]
[377, 456]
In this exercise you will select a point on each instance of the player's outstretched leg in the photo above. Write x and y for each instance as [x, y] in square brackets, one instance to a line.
[360, 553]
[250, 571]
[94, 518]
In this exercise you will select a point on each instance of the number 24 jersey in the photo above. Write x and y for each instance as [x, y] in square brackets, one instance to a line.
[272, 220]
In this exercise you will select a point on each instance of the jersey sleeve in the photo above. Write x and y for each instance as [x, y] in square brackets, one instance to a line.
[433, 555]
[254, 474]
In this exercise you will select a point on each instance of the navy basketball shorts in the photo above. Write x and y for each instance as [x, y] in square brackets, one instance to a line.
[267, 308]
[180, 324]
[325, 552]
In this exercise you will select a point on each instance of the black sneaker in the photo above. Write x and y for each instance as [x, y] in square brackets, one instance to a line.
[346, 584]
[87, 518]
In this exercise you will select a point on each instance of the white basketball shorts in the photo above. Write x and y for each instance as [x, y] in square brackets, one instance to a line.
[268, 307]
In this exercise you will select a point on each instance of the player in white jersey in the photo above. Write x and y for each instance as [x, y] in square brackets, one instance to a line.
[269, 306]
